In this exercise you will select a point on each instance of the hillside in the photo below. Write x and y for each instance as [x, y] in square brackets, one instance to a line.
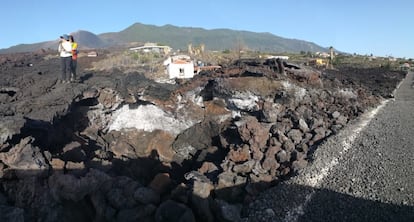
[86, 40]
[179, 38]
[215, 39]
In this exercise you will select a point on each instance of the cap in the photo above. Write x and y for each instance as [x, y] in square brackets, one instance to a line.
[64, 36]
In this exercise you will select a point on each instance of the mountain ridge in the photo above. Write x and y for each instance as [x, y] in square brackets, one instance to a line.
[178, 38]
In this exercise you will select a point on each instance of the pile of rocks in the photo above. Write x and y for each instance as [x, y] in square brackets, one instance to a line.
[238, 131]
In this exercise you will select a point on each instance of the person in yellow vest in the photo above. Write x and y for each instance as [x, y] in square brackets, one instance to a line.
[74, 62]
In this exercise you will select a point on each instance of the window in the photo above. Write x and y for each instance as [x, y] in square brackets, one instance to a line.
[181, 71]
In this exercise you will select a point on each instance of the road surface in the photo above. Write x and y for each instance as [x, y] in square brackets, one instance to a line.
[364, 173]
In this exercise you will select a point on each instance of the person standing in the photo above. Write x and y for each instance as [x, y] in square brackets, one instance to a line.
[65, 52]
[74, 63]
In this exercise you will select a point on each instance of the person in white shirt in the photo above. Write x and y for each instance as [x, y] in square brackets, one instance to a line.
[65, 52]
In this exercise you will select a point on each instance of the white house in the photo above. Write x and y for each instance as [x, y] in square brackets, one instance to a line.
[180, 67]
[152, 47]
[323, 54]
[278, 57]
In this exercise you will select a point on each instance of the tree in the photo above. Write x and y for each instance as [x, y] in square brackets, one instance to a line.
[239, 48]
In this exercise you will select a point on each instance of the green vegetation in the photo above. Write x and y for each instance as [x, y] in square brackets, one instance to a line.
[151, 64]
[216, 39]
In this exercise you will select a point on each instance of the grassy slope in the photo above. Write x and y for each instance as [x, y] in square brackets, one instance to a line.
[216, 39]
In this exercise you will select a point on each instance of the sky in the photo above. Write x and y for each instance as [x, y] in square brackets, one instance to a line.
[378, 27]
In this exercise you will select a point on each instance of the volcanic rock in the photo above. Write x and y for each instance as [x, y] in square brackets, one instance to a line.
[253, 133]
[12, 214]
[146, 195]
[207, 167]
[295, 135]
[227, 212]
[239, 154]
[160, 183]
[173, 211]
[125, 147]
[197, 137]
[73, 152]
[25, 159]
[140, 213]
[10, 126]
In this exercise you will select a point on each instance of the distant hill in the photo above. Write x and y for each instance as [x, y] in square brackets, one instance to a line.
[86, 40]
[179, 38]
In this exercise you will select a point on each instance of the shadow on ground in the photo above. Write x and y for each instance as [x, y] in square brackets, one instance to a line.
[128, 191]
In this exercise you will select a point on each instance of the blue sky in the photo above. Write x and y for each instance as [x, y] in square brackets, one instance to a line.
[383, 28]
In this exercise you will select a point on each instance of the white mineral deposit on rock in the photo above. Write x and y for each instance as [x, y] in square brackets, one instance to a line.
[147, 118]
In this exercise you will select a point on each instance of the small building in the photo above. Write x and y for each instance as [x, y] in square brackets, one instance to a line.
[92, 54]
[180, 67]
[323, 54]
[278, 57]
[152, 47]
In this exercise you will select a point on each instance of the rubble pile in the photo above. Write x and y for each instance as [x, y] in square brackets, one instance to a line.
[121, 147]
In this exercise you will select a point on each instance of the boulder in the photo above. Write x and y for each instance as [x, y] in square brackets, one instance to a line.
[173, 211]
[303, 126]
[207, 167]
[288, 145]
[119, 192]
[252, 132]
[283, 156]
[244, 168]
[200, 200]
[295, 135]
[140, 213]
[109, 98]
[25, 159]
[11, 214]
[160, 183]
[1, 170]
[226, 212]
[10, 126]
[299, 164]
[230, 186]
[3, 199]
[270, 161]
[73, 152]
[239, 154]
[341, 120]
[335, 114]
[319, 134]
[197, 137]
[69, 187]
[161, 142]
[90, 93]
[76, 168]
[316, 122]
[216, 108]
[270, 112]
[146, 195]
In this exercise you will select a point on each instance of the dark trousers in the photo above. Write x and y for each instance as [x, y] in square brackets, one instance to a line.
[66, 67]
[74, 64]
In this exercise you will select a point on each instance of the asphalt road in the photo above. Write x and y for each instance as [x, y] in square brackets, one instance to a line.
[364, 173]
